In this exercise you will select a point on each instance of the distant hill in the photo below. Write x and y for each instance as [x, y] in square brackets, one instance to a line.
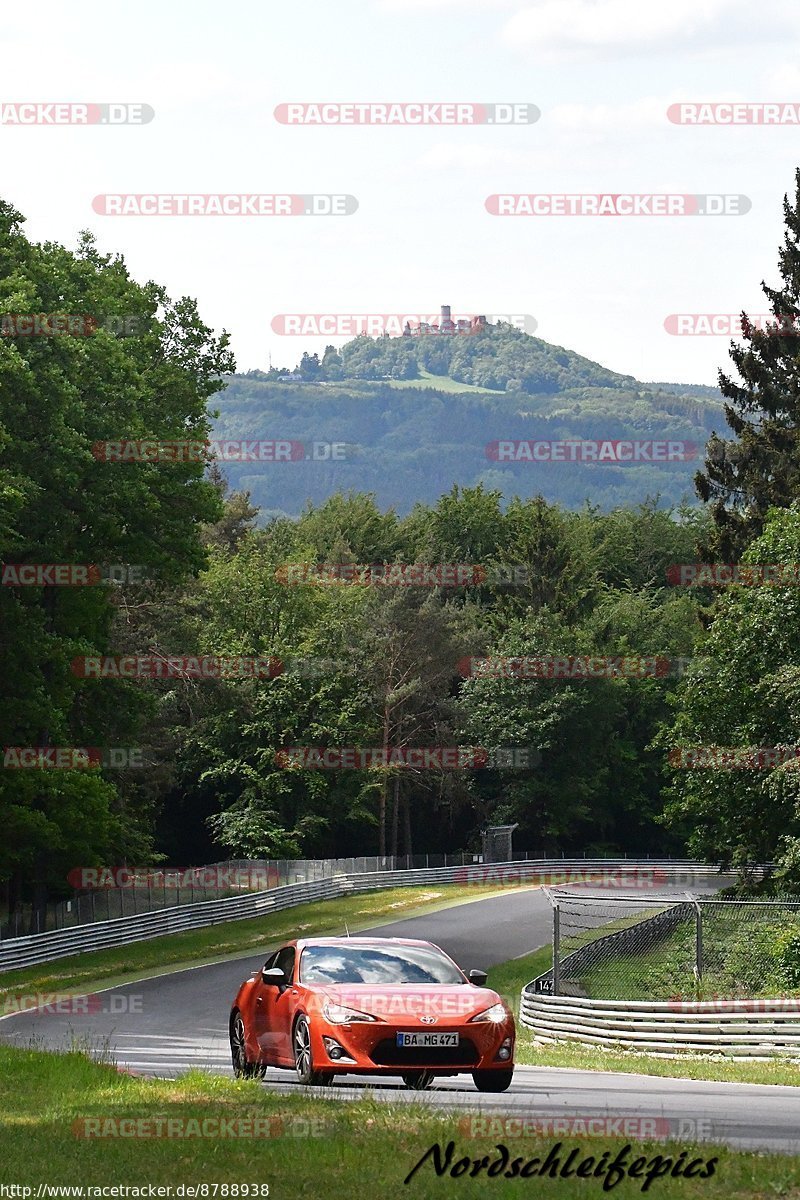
[407, 439]
[688, 389]
[500, 358]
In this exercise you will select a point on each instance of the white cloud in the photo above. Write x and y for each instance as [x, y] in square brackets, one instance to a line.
[783, 81]
[408, 5]
[645, 113]
[450, 155]
[559, 28]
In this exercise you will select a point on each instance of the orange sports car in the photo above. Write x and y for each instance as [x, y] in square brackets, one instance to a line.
[377, 1006]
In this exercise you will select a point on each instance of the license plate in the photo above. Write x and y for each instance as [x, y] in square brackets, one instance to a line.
[427, 1039]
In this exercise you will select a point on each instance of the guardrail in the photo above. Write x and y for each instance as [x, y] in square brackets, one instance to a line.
[103, 935]
[45, 947]
[757, 1029]
[104, 894]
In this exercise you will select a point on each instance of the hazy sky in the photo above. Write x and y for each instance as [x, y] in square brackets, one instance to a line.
[602, 72]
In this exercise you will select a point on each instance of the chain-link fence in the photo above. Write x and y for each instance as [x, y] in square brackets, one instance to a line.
[691, 948]
[102, 899]
[143, 893]
[120, 892]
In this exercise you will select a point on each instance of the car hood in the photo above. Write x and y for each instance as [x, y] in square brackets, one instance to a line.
[410, 1001]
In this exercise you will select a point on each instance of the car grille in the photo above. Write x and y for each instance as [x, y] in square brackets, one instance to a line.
[388, 1054]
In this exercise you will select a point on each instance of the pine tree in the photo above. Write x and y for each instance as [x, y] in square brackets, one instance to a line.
[759, 468]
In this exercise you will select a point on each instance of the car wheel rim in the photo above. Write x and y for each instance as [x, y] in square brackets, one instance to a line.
[302, 1049]
[237, 1040]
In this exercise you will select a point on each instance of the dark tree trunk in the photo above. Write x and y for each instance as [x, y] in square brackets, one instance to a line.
[407, 824]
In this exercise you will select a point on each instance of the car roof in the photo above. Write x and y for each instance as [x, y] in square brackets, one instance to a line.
[302, 943]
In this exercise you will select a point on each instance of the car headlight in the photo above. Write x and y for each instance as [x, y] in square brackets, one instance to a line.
[496, 1014]
[340, 1014]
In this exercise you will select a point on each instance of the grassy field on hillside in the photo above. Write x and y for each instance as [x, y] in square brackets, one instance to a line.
[442, 383]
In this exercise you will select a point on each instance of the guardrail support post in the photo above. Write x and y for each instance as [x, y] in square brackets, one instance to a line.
[698, 938]
[556, 948]
[556, 970]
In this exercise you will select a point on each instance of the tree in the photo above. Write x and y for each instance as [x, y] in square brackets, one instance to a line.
[592, 783]
[310, 367]
[228, 765]
[59, 396]
[331, 366]
[351, 525]
[759, 468]
[237, 517]
[742, 692]
[411, 646]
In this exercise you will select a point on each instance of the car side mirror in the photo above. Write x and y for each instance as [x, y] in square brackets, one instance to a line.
[274, 976]
[479, 978]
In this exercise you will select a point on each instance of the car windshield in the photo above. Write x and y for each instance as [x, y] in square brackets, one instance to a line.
[377, 964]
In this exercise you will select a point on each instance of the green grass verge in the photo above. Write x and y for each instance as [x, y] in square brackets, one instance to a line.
[442, 383]
[314, 1148]
[126, 964]
[746, 959]
[510, 978]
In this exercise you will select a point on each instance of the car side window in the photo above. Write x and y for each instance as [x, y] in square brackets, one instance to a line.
[285, 960]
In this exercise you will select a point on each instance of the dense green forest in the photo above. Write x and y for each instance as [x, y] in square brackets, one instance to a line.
[582, 760]
[406, 444]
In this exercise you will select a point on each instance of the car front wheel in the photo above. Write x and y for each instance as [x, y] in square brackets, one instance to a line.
[303, 1061]
[493, 1081]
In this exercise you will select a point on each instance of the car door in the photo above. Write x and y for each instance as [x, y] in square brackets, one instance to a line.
[259, 1010]
[275, 1010]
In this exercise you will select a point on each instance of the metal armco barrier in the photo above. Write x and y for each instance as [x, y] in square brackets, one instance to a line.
[102, 935]
[45, 947]
[758, 1029]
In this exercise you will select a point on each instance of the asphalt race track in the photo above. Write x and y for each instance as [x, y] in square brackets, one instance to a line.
[164, 1025]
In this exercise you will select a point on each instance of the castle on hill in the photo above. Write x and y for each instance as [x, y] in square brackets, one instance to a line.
[446, 325]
